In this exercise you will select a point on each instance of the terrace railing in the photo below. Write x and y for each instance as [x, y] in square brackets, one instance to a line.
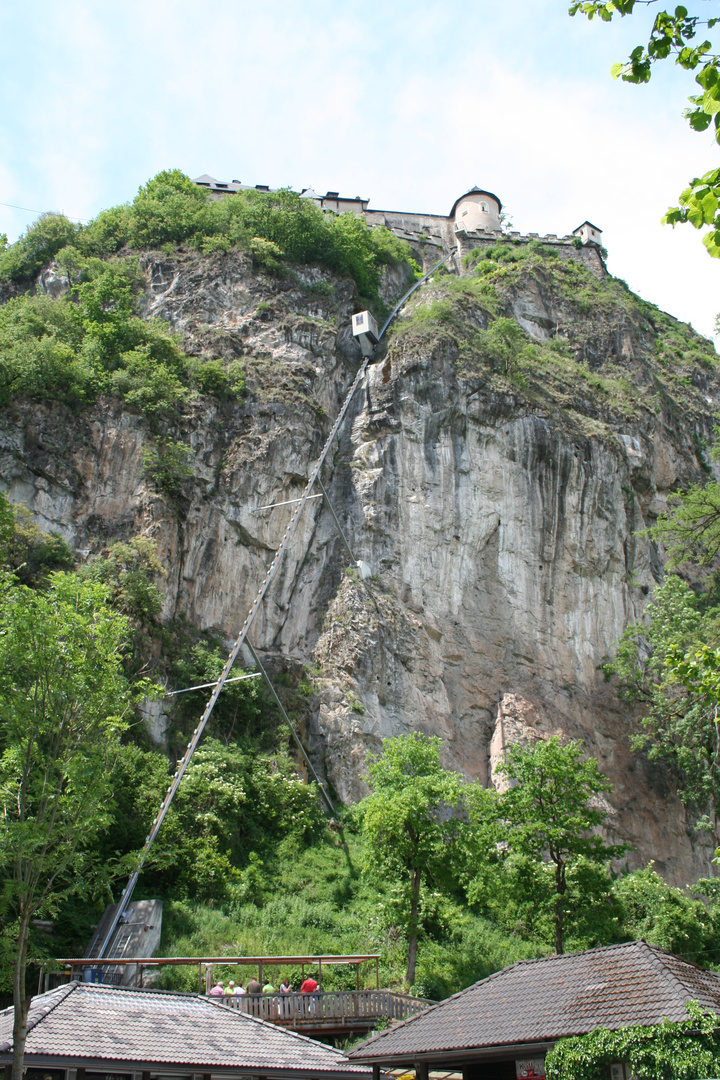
[332, 1008]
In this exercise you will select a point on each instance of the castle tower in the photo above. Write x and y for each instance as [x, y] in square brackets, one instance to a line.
[476, 209]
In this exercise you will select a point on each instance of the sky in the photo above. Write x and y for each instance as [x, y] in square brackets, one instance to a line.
[408, 104]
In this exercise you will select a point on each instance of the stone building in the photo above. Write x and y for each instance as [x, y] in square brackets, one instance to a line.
[474, 221]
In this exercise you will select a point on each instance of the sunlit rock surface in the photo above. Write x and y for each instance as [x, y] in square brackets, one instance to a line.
[503, 540]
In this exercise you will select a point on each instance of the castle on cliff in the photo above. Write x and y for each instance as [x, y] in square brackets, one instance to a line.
[474, 221]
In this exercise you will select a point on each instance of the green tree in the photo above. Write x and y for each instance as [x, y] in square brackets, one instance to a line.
[670, 662]
[169, 208]
[37, 247]
[553, 814]
[411, 822]
[675, 34]
[28, 551]
[690, 530]
[665, 916]
[63, 695]
[669, 665]
[666, 1051]
[128, 569]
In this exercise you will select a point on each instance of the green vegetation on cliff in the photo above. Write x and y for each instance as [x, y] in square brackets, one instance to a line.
[91, 340]
[248, 863]
[277, 229]
[668, 664]
[598, 354]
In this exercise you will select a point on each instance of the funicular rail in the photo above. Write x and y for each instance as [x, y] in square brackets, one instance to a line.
[242, 638]
[332, 1008]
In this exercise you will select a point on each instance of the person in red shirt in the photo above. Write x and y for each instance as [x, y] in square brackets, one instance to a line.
[310, 987]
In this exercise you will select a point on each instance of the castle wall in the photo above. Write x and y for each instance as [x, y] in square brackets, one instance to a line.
[433, 235]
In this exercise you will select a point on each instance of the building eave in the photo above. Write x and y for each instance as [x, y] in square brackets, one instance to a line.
[67, 1061]
[467, 1053]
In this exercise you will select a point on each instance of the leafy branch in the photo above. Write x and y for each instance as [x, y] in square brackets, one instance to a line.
[673, 34]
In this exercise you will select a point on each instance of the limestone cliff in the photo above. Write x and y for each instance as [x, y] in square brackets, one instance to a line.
[525, 420]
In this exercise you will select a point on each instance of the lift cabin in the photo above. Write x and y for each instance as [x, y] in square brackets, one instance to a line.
[366, 331]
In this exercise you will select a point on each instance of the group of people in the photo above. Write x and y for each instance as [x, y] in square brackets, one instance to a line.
[254, 988]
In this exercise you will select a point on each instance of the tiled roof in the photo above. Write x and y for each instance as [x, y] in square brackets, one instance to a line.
[86, 1022]
[544, 1000]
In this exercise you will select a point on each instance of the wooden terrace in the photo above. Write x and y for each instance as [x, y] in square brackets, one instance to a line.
[325, 1013]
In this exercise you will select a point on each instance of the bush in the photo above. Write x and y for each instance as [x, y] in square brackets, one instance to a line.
[166, 464]
[674, 1051]
[56, 350]
[266, 254]
[37, 247]
[213, 378]
[663, 915]
[275, 227]
[25, 549]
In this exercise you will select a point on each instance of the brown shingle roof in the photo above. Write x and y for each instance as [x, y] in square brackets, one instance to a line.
[88, 1023]
[537, 1001]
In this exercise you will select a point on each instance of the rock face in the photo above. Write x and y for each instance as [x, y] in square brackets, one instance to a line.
[502, 534]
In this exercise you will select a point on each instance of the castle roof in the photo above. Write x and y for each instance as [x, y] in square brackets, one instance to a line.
[595, 227]
[474, 191]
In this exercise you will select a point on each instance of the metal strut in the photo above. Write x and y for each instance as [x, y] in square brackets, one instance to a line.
[290, 724]
[206, 685]
[336, 519]
[241, 638]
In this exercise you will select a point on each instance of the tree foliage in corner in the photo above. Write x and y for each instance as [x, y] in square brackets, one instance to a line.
[675, 34]
[669, 663]
[685, 1050]
[63, 695]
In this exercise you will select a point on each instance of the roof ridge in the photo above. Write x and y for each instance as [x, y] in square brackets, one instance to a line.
[661, 955]
[64, 992]
[437, 1004]
[108, 988]
[527, 961]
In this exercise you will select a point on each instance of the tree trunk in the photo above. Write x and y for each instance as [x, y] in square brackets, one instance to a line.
[21, 1004]
[412, 927]
[560, 886]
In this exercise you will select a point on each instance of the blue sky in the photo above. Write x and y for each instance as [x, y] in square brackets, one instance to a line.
[408, 104]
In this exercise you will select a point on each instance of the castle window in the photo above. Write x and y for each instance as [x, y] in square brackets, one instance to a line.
[483, 207]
